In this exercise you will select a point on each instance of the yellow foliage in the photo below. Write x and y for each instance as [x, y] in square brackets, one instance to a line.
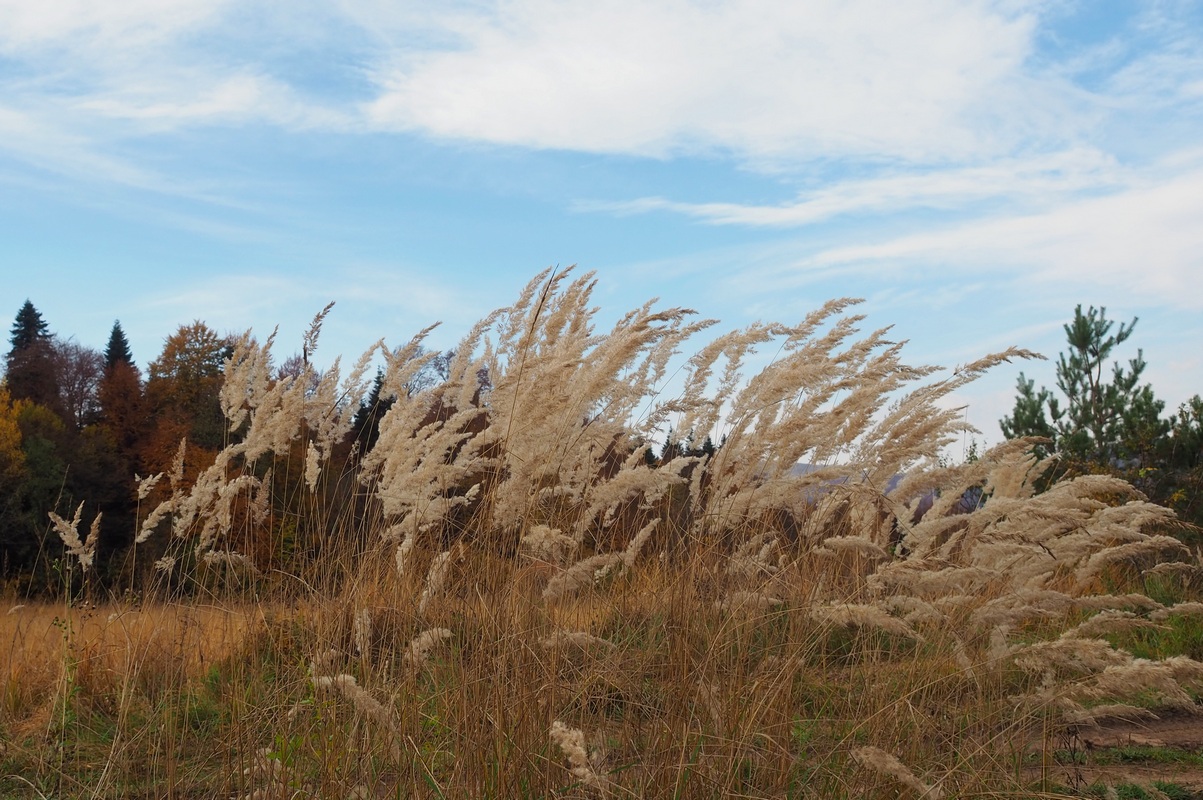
[12, 457]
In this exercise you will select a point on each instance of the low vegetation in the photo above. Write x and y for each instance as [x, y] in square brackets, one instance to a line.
[504, 591]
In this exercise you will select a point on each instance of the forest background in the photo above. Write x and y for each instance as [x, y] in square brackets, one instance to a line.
[79, 426]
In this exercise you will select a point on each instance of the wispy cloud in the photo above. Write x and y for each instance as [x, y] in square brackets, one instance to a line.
[1143, 240]
[1041, 180]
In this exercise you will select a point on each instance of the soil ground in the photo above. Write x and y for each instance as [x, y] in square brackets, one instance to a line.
[1143, 752]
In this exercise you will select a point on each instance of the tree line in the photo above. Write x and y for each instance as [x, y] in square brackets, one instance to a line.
[79, 426]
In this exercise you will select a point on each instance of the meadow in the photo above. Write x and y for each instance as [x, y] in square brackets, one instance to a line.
[525, 599]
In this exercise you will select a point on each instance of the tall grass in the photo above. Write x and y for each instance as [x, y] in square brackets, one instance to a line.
[519, 602]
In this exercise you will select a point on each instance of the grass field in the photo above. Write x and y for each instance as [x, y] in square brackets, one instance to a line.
[535, 608]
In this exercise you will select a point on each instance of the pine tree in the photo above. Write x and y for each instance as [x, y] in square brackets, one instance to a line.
[117, 351]
[1105, 419]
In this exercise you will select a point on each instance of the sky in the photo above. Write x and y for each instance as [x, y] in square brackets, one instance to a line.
[973, 169]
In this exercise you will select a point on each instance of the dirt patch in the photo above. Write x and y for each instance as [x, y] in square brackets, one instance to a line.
[1181, 730]
[1147, 751]
[1188, 777]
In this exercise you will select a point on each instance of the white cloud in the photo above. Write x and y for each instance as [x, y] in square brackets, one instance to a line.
[27, 27]
[38, 141]
[160, 103]
[1144, 240]
[1039, 180]
[762, 78]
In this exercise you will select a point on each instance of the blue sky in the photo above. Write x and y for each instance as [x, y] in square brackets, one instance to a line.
[974, 169]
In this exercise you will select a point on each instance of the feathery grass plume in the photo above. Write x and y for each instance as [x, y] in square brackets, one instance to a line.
[230, 559]
[753, 558]
[637, 543]
[564, 398]
[268, 768]
[165, 564]
[1097, 715]
[626, 558]
[863, 545]
[818, 402]
[265, 416]
[419, 466]
[1100, 602]
[418, 650]
[1110, 621]
[931, 578]
[708, 693]
[914, 609]
[1024, 604]
[247, 374]
[1141, 676]
[1149, 546]
[578, 639]
[544, 543]
[556, 427]
[863, 615]
[1015, 548]
[323, 661]
[151, 523]
[580, 575]
[366, 704]
[1071, 656]
[313, 467]
[84, 551]
[1178, 609]
[435, 578]
[361, 631]
[961, 654]
[571, 742]
[402, 554]
[176, 476]
[309, 343]
[747, 601]
[1021, 605]
[999, 650]
[878, 760]
[146, 485]
[1167, 568]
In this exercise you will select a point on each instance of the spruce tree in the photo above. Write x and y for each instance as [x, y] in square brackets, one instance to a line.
[366, 425]
[29, 327]
[117, 351]
[32, 371]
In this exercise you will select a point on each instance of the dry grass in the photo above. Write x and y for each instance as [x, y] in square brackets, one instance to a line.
[541, 612]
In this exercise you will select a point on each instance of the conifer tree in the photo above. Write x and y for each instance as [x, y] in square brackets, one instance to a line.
[366, 425]
[28, 328]
[117, 351]
[1098, 418]
[31, 371]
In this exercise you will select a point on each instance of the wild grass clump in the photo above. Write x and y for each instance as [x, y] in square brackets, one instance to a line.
[521, 599]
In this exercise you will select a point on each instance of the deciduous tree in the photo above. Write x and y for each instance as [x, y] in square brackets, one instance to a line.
[183, 389]
[80, 371]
